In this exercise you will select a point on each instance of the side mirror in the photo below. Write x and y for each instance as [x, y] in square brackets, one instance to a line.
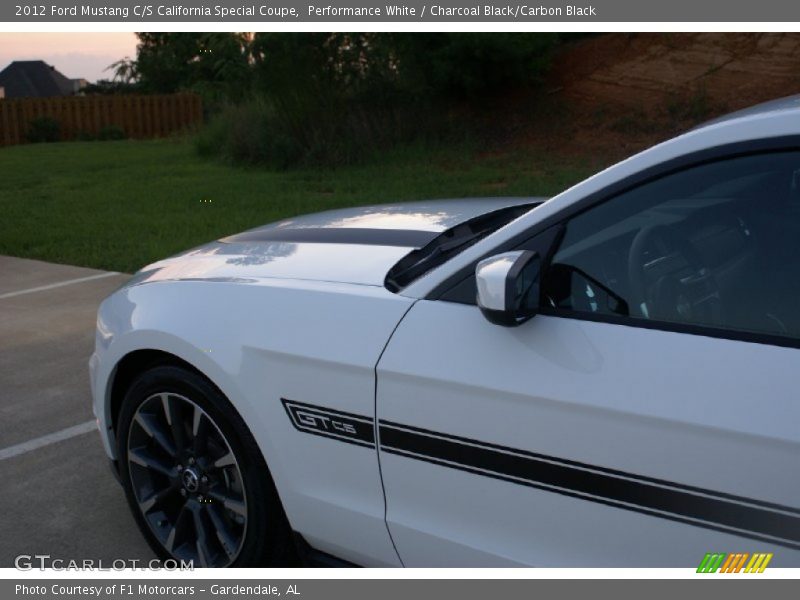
[508, 287]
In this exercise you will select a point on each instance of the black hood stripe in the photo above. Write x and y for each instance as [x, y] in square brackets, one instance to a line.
[405, 238]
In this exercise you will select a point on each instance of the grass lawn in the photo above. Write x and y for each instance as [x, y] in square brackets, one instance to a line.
[121, 205]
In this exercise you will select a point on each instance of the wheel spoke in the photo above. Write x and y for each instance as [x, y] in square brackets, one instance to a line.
[230, 502]
[142, 457]
[166, 408]
[170, 543]
[176, 533]
[226, 537]
[156, 498]
[200, 430]
[173, 414]
[225, 461]
[151, 426]
[201, 536]
[196, 418]
[201, 553]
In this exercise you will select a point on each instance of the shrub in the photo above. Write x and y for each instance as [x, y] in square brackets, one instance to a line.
[257, 132]
[111, 132]
[334, 98]
[43, 129]
[249, 133]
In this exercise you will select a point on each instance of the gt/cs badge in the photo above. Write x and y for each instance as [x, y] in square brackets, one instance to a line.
[323, 422]
[326, 422]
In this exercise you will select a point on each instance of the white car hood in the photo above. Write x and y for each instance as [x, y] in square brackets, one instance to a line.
[355, 245]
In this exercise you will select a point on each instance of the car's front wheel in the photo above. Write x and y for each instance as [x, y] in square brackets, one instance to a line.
[193, 475]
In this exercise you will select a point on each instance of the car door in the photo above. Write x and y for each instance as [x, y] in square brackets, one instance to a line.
[648, 415]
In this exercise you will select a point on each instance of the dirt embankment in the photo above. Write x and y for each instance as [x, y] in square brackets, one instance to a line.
[614, 94]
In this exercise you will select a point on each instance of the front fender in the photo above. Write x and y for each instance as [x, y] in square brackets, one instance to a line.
[258, 342]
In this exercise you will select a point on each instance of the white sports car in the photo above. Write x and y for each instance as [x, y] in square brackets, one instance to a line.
[606, 378]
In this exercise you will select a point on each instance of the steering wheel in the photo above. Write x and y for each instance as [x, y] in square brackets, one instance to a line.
[668, 279]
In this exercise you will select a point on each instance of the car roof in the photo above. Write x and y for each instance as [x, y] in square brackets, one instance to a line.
[788, 103]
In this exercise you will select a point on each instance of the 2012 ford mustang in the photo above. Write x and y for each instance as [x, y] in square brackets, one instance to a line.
[607, 378]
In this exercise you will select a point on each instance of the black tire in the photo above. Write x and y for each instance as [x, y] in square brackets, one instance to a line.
[258, 529]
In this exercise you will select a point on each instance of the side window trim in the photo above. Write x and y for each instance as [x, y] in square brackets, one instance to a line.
[668, 326]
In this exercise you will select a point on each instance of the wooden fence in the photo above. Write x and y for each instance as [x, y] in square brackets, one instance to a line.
[85, 116]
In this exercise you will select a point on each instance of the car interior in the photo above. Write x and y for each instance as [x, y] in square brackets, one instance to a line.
[714, 246]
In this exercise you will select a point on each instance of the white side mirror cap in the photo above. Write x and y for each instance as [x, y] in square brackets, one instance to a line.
[504, 281]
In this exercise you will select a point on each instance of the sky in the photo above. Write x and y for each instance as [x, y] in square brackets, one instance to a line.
[74, 54]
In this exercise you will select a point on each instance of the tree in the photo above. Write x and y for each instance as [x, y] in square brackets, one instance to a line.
[215, 64]
[125, 71]
[448, 64]
[329, 98]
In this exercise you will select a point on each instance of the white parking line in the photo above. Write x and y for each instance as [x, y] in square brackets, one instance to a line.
[42, 288]
[46, 440]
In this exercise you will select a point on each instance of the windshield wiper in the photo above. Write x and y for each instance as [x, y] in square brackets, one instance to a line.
[420, 261]
[436, 256]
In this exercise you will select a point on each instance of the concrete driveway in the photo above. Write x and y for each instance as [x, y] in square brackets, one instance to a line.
[57, 494]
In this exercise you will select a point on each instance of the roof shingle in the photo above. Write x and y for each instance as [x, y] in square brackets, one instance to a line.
[34, 79]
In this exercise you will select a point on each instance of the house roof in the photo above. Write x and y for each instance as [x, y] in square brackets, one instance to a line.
[34, 78]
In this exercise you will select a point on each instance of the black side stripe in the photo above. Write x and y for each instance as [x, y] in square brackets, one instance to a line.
[717, 511]
[580, 465]
[406, 238]
[705, 508]
[596, 500]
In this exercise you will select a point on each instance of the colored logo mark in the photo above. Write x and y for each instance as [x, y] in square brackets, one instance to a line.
[734, 563]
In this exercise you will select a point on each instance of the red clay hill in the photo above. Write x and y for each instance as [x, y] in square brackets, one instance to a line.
[612, 94]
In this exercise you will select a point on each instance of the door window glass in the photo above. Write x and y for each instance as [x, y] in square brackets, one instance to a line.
[716, 245]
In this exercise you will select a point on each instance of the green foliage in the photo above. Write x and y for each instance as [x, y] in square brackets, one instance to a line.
[333, 94]
[449, 64]
[459, 64]
[213, 64]
[107, 88]
[224, 66]
[248, 133]
[111, 132]
[335, 98]
[43, 129]
[285, 99]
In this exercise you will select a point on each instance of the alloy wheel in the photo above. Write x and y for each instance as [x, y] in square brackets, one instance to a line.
[187, 481]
